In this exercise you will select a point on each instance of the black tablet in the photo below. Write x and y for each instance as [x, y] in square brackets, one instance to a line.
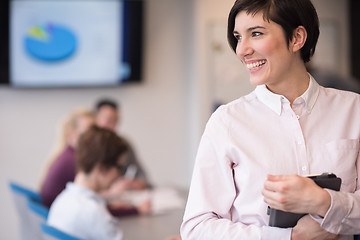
[283, 219]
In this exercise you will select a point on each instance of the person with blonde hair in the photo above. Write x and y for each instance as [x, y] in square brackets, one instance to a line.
[62, 167]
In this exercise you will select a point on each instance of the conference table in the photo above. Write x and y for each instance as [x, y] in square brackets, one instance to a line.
[163, 222]
[152, 227]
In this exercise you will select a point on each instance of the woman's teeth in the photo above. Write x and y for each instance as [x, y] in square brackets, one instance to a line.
[255, 64]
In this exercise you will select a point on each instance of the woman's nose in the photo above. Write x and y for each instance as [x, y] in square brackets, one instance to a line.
[243, 49]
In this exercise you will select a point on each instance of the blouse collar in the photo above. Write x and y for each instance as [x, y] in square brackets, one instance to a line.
[274, 101]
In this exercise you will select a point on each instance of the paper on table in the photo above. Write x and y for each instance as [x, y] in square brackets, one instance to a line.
[163, 199]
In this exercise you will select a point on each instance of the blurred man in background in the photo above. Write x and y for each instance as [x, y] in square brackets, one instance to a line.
[107, 116]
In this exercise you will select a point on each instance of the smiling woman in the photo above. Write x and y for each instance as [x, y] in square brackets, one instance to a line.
[256, 151]
[270, 59]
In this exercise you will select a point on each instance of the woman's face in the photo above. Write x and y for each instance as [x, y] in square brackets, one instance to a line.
[83, 123]
[263, 49]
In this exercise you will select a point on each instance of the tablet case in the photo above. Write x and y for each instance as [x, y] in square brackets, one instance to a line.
[283, 219]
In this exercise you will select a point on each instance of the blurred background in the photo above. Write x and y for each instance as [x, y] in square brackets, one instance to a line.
[187, 70]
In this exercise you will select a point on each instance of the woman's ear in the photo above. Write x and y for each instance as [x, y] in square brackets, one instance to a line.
[299, 38]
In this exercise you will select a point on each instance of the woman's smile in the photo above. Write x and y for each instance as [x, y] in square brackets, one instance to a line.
[255, 65]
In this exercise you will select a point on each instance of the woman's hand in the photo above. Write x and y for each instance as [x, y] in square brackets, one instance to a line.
[293, 193]
[308, 229]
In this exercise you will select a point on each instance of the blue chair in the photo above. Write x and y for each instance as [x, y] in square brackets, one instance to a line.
[52, 233]
[38, 214]
[357, 237]
[38, 209]
[24, 191]
[21, 196]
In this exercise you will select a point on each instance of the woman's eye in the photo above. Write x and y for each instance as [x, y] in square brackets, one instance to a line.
[256, 34]
[238, 37]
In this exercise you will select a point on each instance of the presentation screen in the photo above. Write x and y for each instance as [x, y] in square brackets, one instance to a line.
[65, 43]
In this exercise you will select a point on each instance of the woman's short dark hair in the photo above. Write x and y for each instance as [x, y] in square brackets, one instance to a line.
[99, 146]
[289, 14]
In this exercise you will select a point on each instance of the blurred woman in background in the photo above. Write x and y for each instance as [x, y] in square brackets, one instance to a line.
[61, 167]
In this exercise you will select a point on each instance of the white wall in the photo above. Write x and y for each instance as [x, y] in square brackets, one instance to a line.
[155, 117]
[334, 15]
[163, 116]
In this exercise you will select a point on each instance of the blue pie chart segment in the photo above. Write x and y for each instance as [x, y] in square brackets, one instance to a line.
[50, 42]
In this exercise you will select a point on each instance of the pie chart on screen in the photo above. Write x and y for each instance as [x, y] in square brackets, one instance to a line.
[50, 42]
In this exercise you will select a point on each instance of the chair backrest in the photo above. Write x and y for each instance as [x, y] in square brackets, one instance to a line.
[24, 191]
[38, 209]
[52, 233]
[38, 214]
[21, 196]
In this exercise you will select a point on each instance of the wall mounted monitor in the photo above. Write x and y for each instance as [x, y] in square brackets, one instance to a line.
[74, 43]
